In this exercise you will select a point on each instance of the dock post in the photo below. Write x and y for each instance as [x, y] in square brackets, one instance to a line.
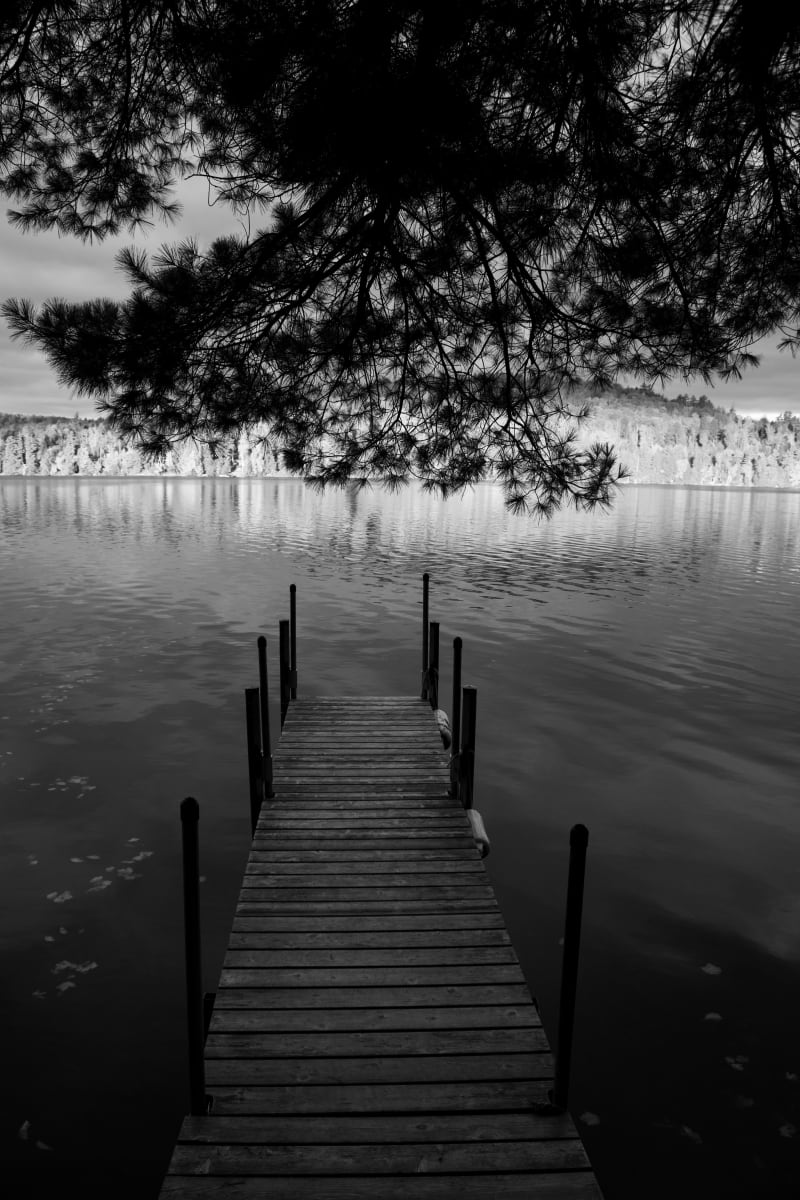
[285, 660]
[254, 761]
[190, 816]
[293, 640]
[425, 594]
[455, 723]
[466, 786]
[266, 740]
[578, 841]
[433, 665]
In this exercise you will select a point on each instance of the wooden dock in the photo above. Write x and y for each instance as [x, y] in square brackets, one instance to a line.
[373, 1035]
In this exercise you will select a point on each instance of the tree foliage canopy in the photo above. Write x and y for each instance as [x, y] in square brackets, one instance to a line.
[465, 210]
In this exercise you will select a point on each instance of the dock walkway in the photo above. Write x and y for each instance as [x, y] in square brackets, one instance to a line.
[373, 1034]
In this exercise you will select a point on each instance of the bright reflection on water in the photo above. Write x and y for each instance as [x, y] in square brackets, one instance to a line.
[637, 671]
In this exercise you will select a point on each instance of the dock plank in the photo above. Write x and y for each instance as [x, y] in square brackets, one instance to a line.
[399, 1128]
[387, 1043]
[409, 1159]
[339, 1020]
[561, 1185]
[253, 955]
[372, 1033]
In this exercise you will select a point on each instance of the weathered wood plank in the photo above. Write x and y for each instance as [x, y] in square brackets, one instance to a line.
[551, 1185]
[340, 1020]
[367, 744]
[372, 729]
[267, 853]
[362, 814]
[370, 739]
[332, 888]
[344, 757]
[420, 941]
[391, 1097]
[372, 923]
[355, 703]
[390, 724]
[410, 768]
[405, 835]
[383, 870]
[385, 788]
[380, 783]
[340, 704]
[467, 1069]
[384, 722]
[297, 795]
[400, 977]
[247, 955]
[400, 802]
[347, 758]
[326, 823]
[375, 997]
[398, 1042]
[410, 1159]
[356, 907]
[389, 885]
[398, 1128]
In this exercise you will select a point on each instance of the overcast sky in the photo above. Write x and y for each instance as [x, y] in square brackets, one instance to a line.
[38, 266]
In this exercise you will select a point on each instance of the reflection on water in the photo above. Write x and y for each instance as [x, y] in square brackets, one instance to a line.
[637, 670]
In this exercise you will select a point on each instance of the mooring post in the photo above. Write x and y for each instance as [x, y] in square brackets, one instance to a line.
[286, 669]
[433, 665]
[293, 640]
[578, 841]
[254, 760]
[426, 579]
[190, 816]
[466, 774]
[266, 740]
[209, 999]
[455, 723]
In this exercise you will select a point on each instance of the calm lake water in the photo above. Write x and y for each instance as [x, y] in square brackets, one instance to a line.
[637, 671]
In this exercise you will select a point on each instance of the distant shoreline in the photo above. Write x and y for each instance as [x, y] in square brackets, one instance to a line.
[680, 442]
[173, 478]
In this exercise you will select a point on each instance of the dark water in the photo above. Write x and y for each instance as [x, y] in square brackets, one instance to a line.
[638, 671]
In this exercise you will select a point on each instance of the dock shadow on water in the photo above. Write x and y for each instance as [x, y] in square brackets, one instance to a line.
[637, 671]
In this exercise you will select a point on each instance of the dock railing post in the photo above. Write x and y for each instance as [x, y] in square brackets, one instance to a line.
[190, 816]
[285, 661]
[266, 740]
[425, 599]
[455, 724]
[433, 665]
[466, 774]
[293, 640]
[254, 759]
[578, 841]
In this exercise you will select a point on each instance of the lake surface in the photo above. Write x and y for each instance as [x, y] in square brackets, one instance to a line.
[638, 671]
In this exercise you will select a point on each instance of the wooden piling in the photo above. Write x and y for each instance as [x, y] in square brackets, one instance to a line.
[266, 740]
[433, 665]
[293, 641]
[254, 759]
[190, 816]
[578, 842]
[425, 599]
[455, 719]
[285, 666]
[469, 699]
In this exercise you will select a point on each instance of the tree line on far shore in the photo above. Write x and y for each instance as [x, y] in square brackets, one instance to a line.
[684, 440]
